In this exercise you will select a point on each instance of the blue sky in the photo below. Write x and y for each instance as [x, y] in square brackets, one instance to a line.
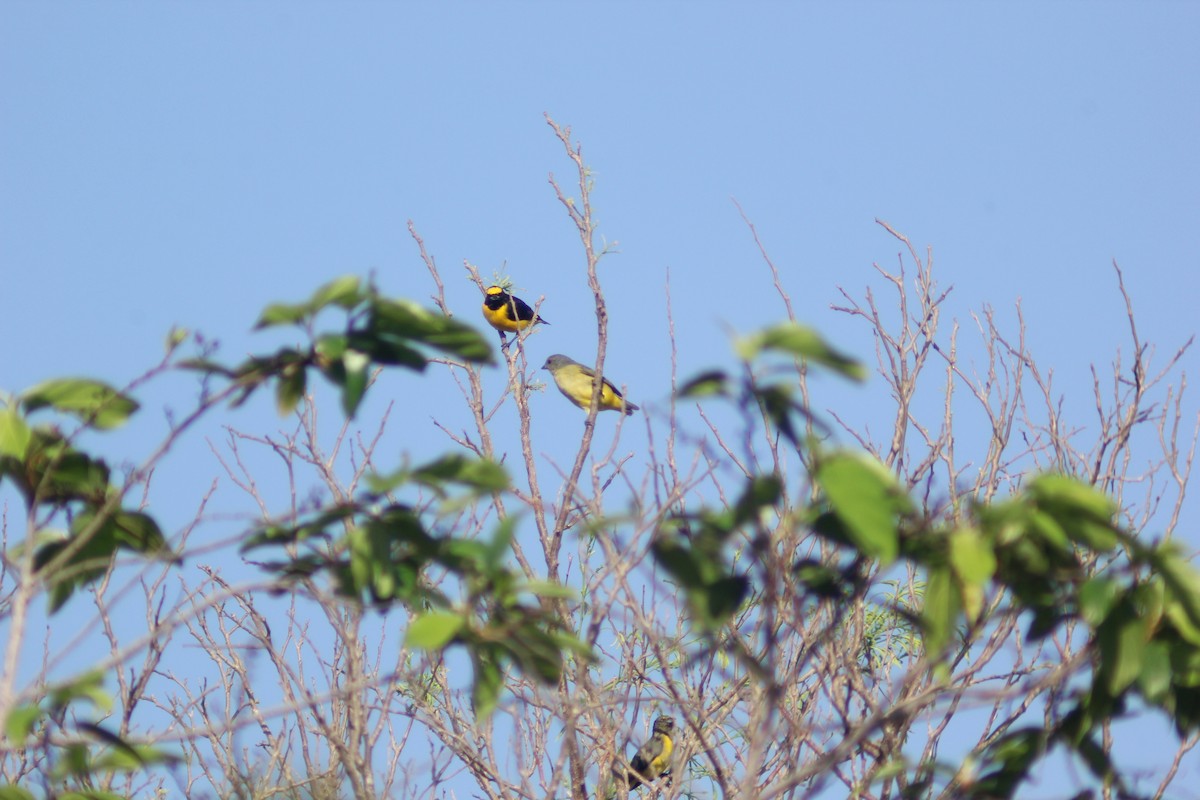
[186, 164]
[171, 164]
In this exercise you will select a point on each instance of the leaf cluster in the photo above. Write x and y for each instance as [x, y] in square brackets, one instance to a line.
[383, 553]
[1053, 554]
[59, 480]
[378, 332]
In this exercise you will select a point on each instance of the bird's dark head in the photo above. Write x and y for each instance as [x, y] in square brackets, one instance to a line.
[496, 298]
[665, 725]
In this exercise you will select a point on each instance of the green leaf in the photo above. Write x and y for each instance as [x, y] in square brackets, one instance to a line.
[434, 630]
[255, 371]
[57, 473]
[129, 530]
[762, 491]
[1174, 611]
[356, 365]
[802, 342]
[939, 611]
[479, 474]
[345, 292]
[136, 757]
[1060, 490]
[53, 471]
[706, 384]
[680, 561]
[384, 558]
[974, 564]
[315, 525]
[1047, 616]
[290, 388]
[1150, 600]
[776, 402]
[865, 497]
[1122, 641]
[20, 722]
[1097, 597]
[463, 555]
[14, 434]
[972, 556]
[137, 531]
[1084, 514]
[89, 686]
[1185, 664]
[92, 401]
[1154, 680]
[208, 366]
[1095, 757]
[404, 322]
[724, 597]
[1181, 578]
[694, 561]
[15, 793]
[370, 563]
[820, 579]
[330, 348]
[488, 682]
[123, 756]
[1015, 753]
[76, 561]
[550, 589]
[1049, 529]
[388, 350]
[65, 567]
[536, 652]
[829, 525]
[501, 544]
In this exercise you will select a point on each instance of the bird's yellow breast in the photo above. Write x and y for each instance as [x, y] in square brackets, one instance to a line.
[507, 313]
[659, 764]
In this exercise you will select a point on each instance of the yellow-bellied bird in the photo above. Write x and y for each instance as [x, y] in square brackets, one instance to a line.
[575, 381]
[507, 313]
[654, 757]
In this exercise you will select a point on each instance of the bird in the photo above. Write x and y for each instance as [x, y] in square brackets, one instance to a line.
[575, 382]
[507, 313]
[654, 757]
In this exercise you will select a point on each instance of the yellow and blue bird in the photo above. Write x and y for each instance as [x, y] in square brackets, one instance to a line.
[507, 313]
[574, 380]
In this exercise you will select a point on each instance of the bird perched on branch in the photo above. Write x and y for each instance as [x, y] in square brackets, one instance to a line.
[507, 313]
[575, 381]
[654, 757]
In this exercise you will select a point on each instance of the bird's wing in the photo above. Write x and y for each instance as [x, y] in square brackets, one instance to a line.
[615, 390]
[646, 754]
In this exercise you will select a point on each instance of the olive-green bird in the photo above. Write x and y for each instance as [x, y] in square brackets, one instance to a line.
[575, 381]
[654, 757]
[507, 313]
